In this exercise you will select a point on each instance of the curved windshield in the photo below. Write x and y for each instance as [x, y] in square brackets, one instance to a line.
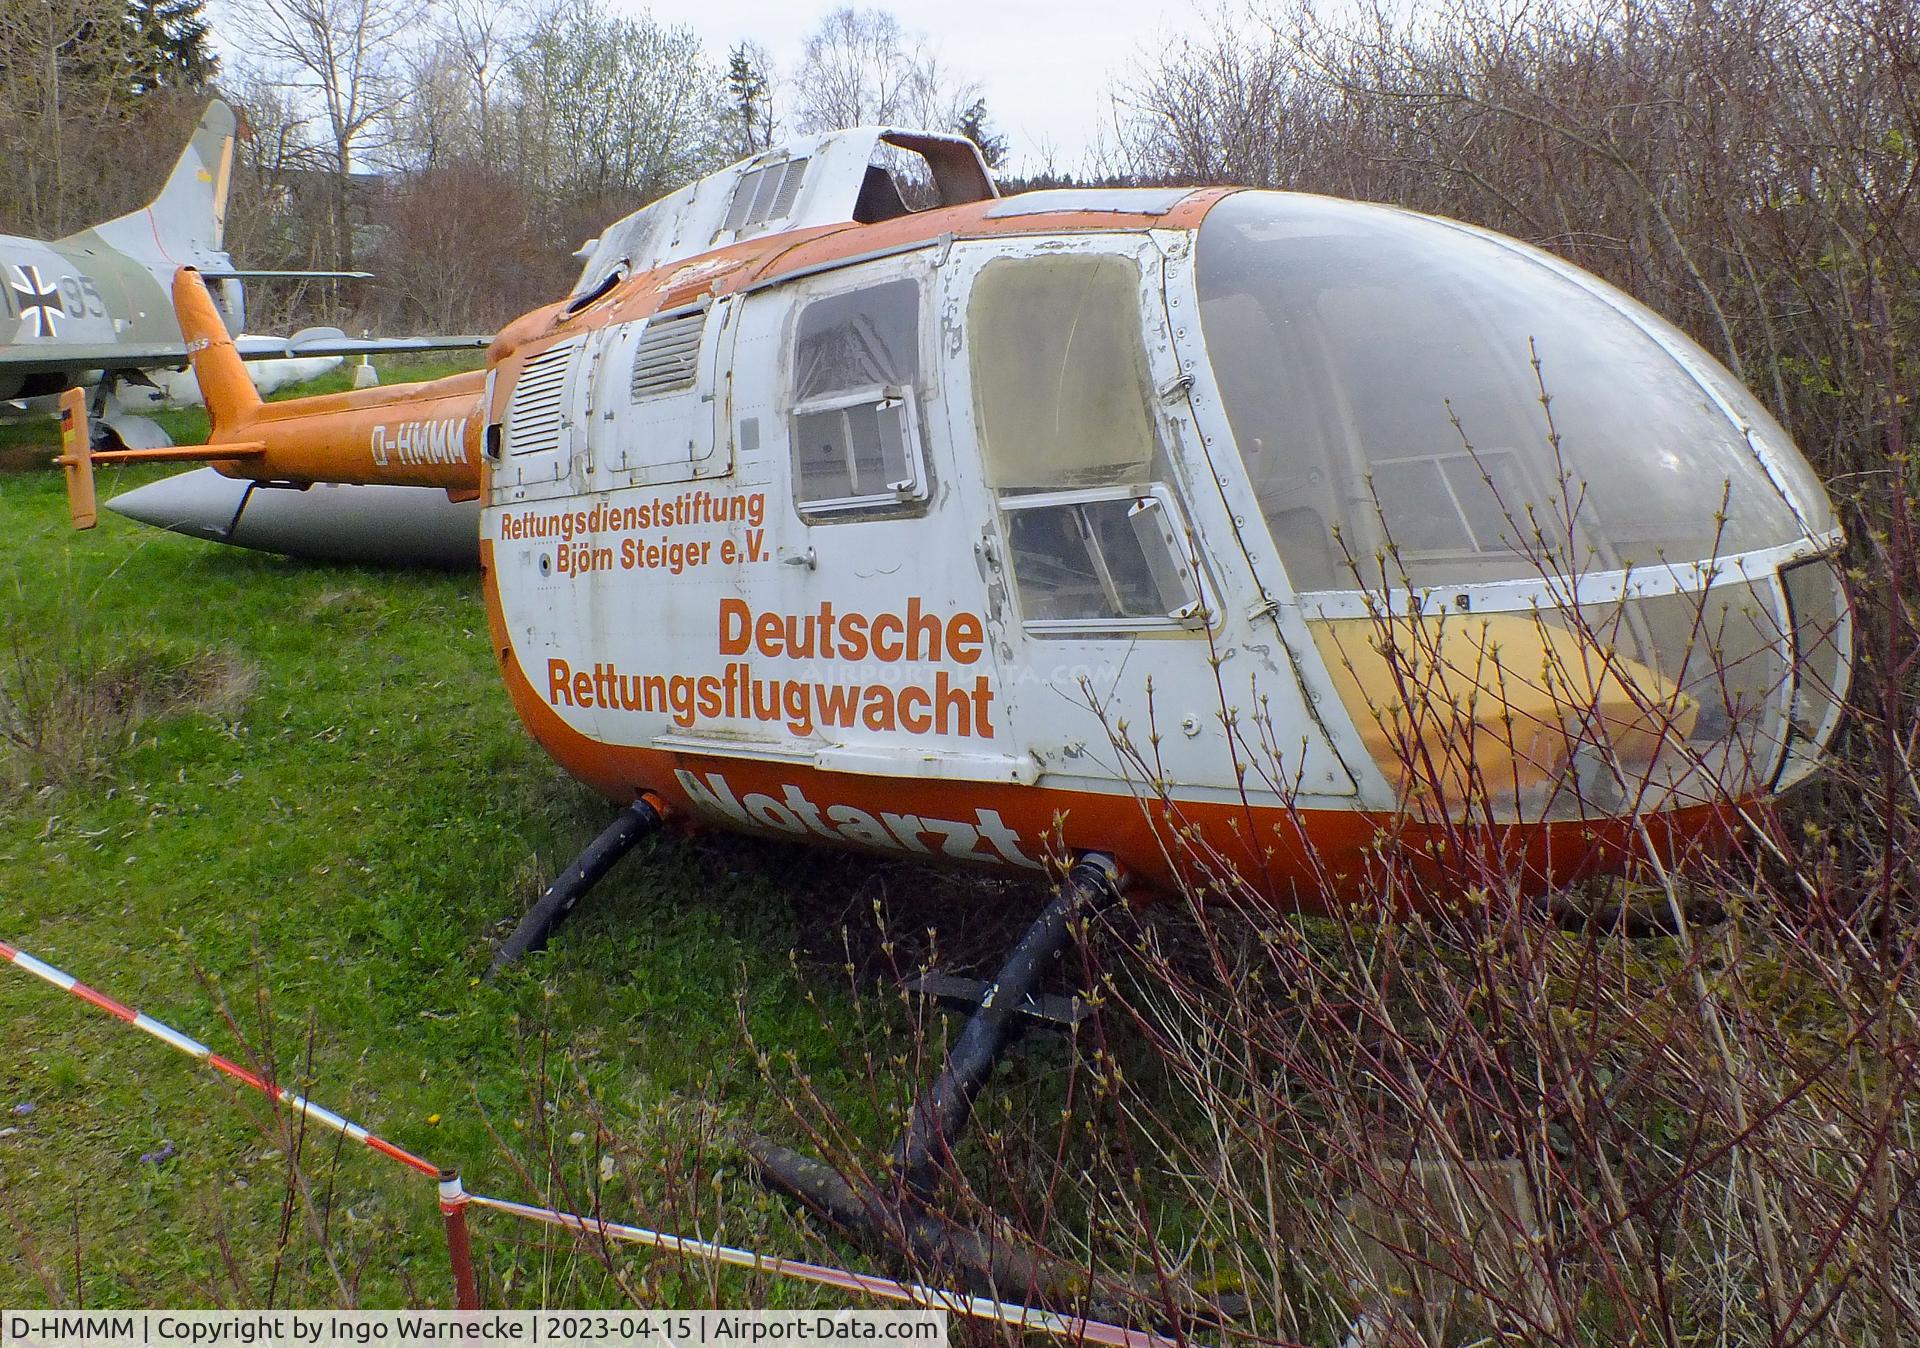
[1418, 404]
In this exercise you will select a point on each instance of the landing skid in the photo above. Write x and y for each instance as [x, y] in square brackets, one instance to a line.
[900, 1214]
[638, 820]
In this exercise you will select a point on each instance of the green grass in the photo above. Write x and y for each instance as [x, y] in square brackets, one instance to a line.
[327, 802]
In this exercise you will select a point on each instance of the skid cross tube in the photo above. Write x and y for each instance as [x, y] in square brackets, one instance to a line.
[615, 841]
[905, 1219]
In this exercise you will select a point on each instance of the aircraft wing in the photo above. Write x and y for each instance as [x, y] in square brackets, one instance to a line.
[310, 342]
[62, 357]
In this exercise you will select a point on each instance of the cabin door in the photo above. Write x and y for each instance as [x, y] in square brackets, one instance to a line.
[1132, 656]
[649, 394]
[850, 635]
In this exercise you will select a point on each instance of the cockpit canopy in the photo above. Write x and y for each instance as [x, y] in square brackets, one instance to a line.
[1420, 403]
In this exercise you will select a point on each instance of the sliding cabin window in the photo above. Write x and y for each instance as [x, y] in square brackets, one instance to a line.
[1095, 559]
[856, 418]
[1061, 396]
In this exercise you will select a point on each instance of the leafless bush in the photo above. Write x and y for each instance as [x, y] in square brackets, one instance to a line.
[62, 712]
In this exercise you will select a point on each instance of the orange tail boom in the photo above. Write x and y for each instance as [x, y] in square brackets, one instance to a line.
[410, 435]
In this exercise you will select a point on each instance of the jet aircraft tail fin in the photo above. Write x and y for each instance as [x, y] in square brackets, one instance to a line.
[187, 221]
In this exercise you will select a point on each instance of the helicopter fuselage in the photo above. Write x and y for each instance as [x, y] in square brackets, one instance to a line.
[954, 535]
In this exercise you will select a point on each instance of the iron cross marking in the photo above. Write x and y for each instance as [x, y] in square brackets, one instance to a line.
[39, 301]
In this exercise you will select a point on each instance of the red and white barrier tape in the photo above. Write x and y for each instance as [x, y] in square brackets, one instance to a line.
[193, 1048]
[915, 1294]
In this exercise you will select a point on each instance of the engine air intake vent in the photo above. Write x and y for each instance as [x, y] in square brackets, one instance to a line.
[668, 352]
[534, 411]
[765, 193]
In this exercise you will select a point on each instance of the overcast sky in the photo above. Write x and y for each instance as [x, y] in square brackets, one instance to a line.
[1043, 65]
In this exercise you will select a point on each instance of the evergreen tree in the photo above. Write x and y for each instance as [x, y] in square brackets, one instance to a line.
[974, 126]
[747, 89]
[175, 52]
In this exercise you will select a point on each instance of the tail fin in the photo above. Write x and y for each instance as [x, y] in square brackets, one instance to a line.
[230, 395]
[76, 456]
[188, 219]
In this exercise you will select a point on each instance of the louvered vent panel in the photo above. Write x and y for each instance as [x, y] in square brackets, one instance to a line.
[763, 199]
[668, 352]
[789, 189]
[534, 410]
[743, 193]
[764, 194]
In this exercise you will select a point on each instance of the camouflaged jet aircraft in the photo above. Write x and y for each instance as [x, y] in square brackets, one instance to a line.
[95, 309]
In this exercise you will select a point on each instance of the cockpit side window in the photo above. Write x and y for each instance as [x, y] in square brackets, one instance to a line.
[855, 421]
[1061, 396]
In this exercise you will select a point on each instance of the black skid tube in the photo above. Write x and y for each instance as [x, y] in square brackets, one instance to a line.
[632, 824]
[941, 1113]
[904, 1218]
[1003, 1267]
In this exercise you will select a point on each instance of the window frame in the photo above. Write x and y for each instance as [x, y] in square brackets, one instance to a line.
[1196, 615]
[894, 501]
[905, 491]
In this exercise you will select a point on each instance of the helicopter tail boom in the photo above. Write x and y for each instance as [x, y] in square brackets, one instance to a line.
[417, 435]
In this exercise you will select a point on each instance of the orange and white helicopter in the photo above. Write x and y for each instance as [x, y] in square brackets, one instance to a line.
[1120, 526]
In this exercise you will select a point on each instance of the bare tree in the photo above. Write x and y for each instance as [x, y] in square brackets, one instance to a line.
[481, 38]
[278, 216]
[1222, 106]
[69, 123]
[458, 251]
[611, 111]
[347, 56]
[860, 67]
[439, 122]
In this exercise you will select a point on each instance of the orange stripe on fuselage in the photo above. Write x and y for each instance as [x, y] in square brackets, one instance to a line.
[1314, 860]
